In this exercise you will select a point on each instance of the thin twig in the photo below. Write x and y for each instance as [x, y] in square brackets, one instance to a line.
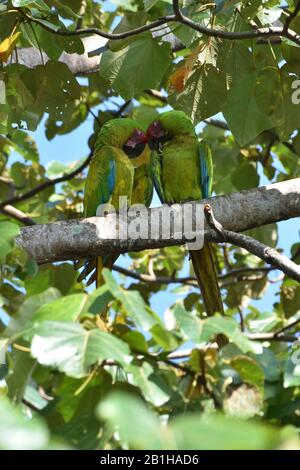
[262, 251]
[291, 17]
[287, 327]
[266, 32]
[46, 184]
[17, 214]
[190, 280]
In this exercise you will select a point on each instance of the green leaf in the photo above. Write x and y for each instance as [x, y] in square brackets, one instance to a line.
[202, 331]
[17, 432]
[270, 365]
[290, 297]
[148, 4]
[130, 415]
[23, 367]
[68, 308]
[249, 370]
[217, 432]
[72, 349]
[151, 384]
[132, 302]
[144, 115]
[241, 112]
[273, 93]
[292, 370]
[130, 20]
[204, 93]
[26, 3]
[267, 234]
[139, 66]
[99, 300]
[8, 232]
[27, 309]
[245, 176]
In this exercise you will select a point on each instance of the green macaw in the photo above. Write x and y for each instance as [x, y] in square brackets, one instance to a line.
[182, 171]
[119, 167]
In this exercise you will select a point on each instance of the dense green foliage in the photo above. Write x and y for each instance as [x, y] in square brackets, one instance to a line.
[69, 380]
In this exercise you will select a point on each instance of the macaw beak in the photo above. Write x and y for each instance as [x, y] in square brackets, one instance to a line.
[136, 144]
[154, 134]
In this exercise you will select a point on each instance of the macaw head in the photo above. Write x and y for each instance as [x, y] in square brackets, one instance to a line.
[136, 144]
[167, 126]
[155, 134]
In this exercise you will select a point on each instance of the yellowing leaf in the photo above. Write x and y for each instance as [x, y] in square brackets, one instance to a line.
[7, 46]
[178, 79]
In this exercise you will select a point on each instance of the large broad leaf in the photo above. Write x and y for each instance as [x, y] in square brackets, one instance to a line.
[28, 308]
[131, 416]
[273, 92]
[216, 432]
[203, 331]
[139, 66]
[204, 93]
[129, 21]
[241, 112]
[68, 308]
[8, 231]
[132, 302]
[249, 370]
[26, 3]
[73, 350]
[150, 382]
[292, 369]
[136, 309]
[18, 432]
[208, 432]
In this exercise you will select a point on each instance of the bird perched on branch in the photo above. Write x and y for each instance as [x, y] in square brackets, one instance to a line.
[119, 167]
[182, 171]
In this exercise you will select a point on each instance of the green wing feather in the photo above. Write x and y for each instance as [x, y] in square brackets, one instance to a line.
[156, 172]
[98, 187]
[142, 186]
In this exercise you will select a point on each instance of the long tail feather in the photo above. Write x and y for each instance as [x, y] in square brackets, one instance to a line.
[106, 262]
[206, 274]
[99, 267]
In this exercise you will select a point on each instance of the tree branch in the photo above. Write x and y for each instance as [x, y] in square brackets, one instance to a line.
[88, 238]
[18, 215]
[262, 251]
[45, 185]
[85, 64]
[190, 280]
[291, 17]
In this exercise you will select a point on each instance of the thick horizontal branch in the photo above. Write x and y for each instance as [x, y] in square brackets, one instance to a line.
[87, 238]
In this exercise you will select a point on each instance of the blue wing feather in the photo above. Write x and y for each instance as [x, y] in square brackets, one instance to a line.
[205, 176]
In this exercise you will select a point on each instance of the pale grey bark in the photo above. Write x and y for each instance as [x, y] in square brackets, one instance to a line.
[236, 212]
[78, 64]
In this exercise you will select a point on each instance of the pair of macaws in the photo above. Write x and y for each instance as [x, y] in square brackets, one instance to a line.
[179, 166]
